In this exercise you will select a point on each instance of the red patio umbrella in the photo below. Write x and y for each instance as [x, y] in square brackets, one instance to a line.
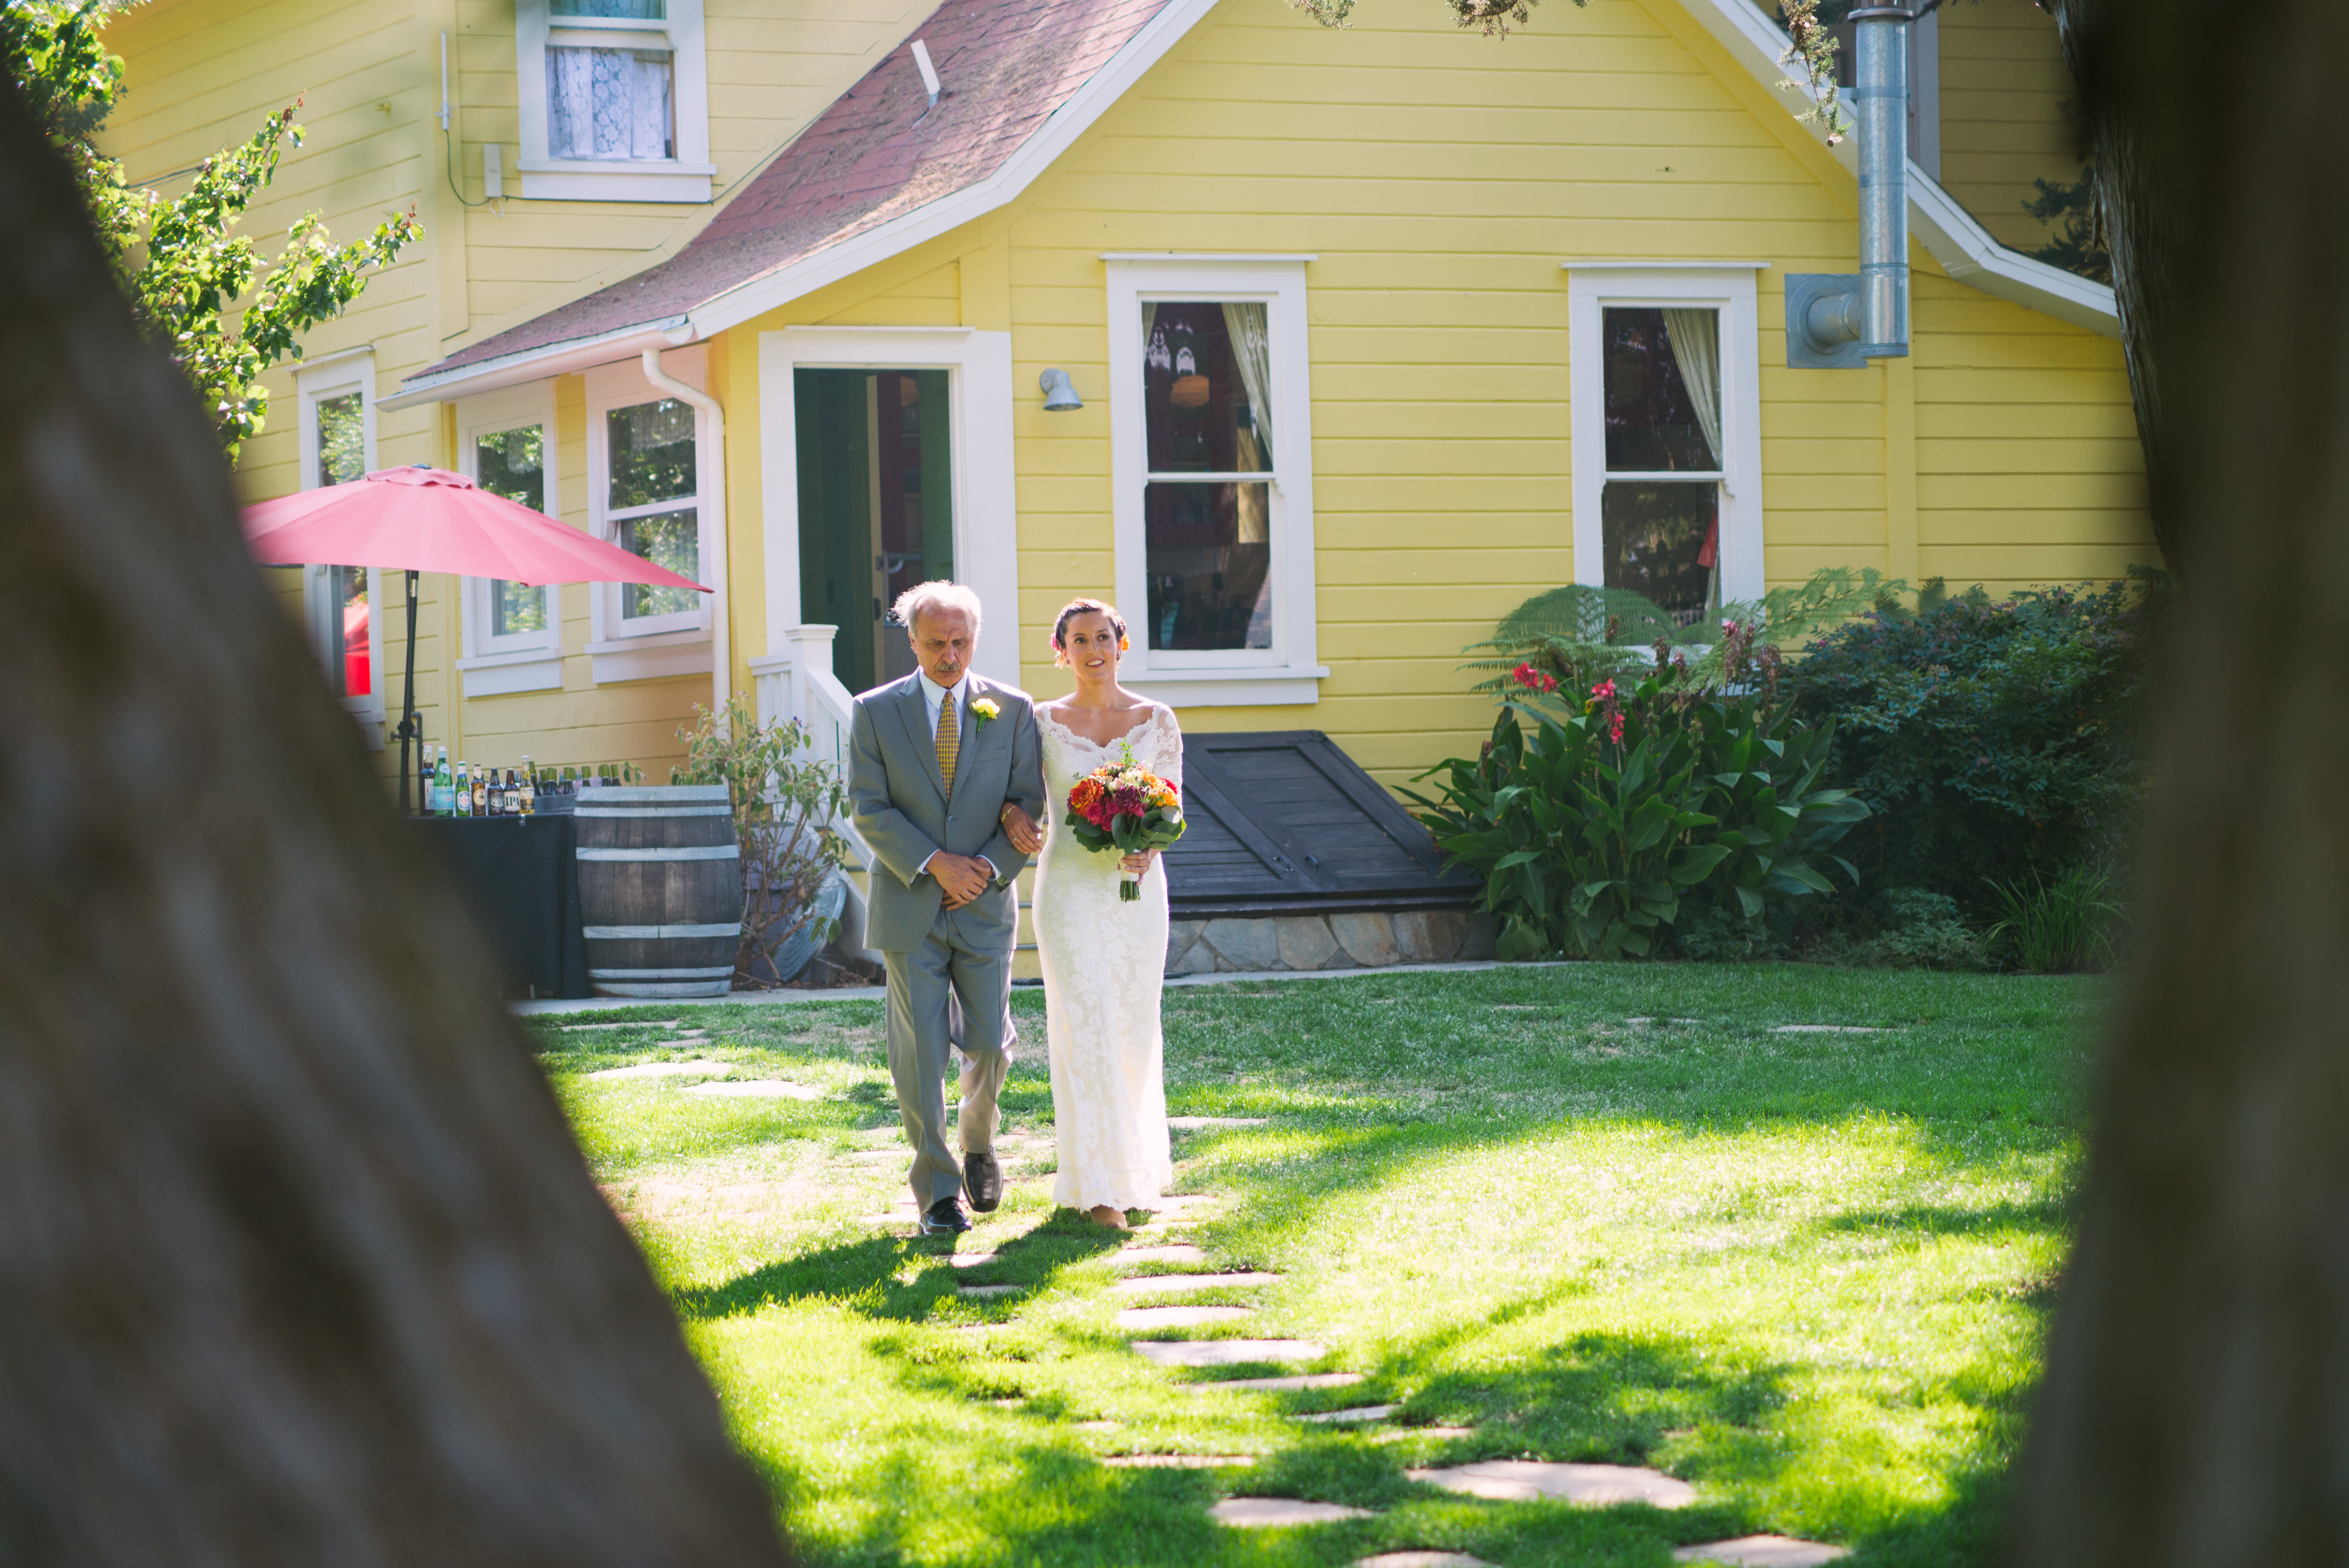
[424, 519]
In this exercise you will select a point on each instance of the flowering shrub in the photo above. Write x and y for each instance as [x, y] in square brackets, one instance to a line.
[1599, 829]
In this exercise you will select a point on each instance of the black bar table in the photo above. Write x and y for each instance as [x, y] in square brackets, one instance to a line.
[520, 880]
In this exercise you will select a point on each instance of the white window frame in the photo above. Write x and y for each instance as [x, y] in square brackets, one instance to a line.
[1729, 288]
[657, 645]
[688, 177]
[1287, 671]
[979, 401]
[338, 376]
[495, 666]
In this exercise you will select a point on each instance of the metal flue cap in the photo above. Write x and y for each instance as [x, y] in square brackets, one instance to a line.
[1058, 395]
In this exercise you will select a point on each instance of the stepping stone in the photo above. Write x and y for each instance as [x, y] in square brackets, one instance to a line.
[895, 1219]
[1358, 1413]
[1421, 1559]
[1183, 1203]
[1177, 1461]
[971, 1260]
[758, 1089]
[665, 1069]
[1196, 1123]
[1013, 1403]
[1827, 1029]
[1761, 1552]
[1179, 1316]
[989, 1290]
[1277, 1384]
[1141, 1283]
[1402, 1434]
[1272, 1512]
[877, 1157]
[1185, 1253]
[1593, 1486]
[1663, 1020]
[584, 1028]
[1100, 1426]
[1226, 1352]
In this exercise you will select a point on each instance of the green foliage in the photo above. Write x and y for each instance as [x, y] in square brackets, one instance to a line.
[178, 261]
[2057, 925]
[1906, 928]
[1579, 636]
[1997, 739]
[785, 805]
[2079, 245]
[1595, 827]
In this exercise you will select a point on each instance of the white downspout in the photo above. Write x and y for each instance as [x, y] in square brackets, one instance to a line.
[721, 644]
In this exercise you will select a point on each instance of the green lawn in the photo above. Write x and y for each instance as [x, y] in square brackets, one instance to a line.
[1598, 1212]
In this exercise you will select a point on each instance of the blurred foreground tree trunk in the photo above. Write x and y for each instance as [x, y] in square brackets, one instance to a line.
[298, 1265]
[2195, 1412]
[2136, 205]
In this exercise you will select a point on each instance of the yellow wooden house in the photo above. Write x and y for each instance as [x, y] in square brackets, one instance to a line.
[1316, 350]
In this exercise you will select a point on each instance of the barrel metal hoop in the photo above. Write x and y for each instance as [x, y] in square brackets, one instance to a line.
[684, 852]
[652, 811]
[658, 933]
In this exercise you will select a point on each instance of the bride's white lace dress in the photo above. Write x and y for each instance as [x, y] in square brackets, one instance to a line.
[1104, 963]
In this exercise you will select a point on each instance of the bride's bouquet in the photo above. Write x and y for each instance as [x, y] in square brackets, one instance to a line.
[1122, 807]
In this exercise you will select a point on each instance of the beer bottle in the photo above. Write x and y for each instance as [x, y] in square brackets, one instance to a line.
[529, 786]
[461, 801]
[480, 805]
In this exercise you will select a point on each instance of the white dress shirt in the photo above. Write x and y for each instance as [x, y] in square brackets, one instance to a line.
[934, 702]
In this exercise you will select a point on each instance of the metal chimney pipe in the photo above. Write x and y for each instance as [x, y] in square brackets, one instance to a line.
[1882, 76]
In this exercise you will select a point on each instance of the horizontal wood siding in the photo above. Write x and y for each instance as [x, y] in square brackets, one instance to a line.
[2004, 88]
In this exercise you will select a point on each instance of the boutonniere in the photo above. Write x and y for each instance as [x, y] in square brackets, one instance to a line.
[982, 709]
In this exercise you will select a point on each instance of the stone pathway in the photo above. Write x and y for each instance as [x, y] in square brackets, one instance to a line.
[1226, 1352]
[1139, 1283]
[1828, 1030]
[757, 1088]
[1358, 1413]
[1264, 1512]
[665, 1069]
[1593, 1486]
[1183, 1252]
[1179, 1461]
[1196, 1123]
[1761, 1552]
[1276, 1385]
[1180, 1317]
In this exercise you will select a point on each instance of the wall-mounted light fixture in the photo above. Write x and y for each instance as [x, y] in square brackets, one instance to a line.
[1058, 395]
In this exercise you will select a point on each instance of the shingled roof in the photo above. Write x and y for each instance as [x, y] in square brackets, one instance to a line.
[1006, 65]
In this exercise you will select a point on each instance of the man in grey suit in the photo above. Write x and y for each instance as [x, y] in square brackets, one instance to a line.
[936, 761]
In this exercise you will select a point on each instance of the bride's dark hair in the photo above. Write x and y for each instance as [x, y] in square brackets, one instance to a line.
[1076, 607]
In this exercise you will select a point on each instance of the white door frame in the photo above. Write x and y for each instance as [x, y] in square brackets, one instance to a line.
[979, 441]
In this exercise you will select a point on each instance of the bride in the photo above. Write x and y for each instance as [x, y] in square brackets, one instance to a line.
[1104, 960]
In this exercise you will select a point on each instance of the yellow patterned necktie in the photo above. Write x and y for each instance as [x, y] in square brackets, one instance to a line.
[949, 740]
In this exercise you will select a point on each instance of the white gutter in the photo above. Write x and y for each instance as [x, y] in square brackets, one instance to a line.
[1950, 234]
[757, 296]
[721, 641]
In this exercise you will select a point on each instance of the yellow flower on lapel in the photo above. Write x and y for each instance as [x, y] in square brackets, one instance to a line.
[981, 710]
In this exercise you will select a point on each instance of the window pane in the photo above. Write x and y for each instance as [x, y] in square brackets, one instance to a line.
[513, 463]
[342, 439]
[352, 673]
[1206, 372]
[1209, 559]
[608, 103]
[629, 10]
[651, 453]
[670, 539]
[1662, 389]
[1664, 541]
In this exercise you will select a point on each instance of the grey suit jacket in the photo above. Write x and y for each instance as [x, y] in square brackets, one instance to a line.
[899, 803]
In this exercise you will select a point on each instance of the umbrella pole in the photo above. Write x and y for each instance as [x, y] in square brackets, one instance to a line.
[410, 729]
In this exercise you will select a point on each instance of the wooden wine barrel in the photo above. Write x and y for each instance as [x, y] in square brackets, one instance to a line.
[660, 890]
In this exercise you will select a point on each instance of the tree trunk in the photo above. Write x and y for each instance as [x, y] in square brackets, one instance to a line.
[298, 1263]
[2132, 203]
[2196, 1405]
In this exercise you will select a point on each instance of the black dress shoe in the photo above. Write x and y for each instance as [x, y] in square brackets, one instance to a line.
[945, 1219]
[983, 1179]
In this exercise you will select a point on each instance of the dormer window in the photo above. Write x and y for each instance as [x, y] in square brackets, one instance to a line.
[614, 100]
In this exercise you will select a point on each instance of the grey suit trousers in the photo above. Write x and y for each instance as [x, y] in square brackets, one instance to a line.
[950, 991]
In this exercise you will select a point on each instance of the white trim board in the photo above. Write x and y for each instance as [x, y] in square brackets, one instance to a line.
[978, 423]
[1949, 233]
[754, 298]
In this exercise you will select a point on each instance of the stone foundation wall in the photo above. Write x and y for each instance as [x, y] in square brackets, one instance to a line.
[1369, 940]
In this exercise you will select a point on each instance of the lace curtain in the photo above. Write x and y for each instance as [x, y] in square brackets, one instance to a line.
[1253, 349]
[1695, 338]
[608, 103]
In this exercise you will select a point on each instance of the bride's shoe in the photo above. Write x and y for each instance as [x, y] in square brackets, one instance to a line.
[1102, 1214]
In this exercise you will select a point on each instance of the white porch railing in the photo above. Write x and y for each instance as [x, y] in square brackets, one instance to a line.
[797, 683]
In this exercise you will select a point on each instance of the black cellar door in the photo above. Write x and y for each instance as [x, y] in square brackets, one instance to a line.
[1282, 822]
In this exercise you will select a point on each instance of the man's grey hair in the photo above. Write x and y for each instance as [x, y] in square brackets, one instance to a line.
[940, 595]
